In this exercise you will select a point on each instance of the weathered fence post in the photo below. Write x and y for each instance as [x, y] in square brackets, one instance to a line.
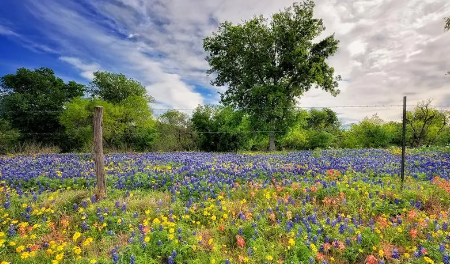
[403, 142]
[99, 161]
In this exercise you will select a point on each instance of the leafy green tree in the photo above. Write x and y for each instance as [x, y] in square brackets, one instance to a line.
[325, 119]
[369, 133]
[8, 137]
[268, 64]
[116, 87]
[32, 100]
[313, 129]
[126, 126]
[220, 128]
[426, 124]
[296, 136]
[395, 130]
[175, 132]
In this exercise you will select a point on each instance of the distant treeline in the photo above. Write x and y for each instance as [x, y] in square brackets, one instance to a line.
[38, 108]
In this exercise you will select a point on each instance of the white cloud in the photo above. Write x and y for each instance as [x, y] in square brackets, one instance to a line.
[357, 47]
[387, 48]
[87, 70]
[7, 32]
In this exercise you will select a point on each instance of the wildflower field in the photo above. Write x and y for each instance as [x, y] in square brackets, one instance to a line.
[342, 206]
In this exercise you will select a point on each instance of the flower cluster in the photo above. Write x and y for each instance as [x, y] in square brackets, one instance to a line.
[340, 207]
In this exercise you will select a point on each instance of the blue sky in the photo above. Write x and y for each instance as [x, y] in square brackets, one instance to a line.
[388, 48]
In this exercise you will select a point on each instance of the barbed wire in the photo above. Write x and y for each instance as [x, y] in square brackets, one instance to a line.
[182, 132]
[252, 108]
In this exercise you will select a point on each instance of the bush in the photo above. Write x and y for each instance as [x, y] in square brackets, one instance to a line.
[9, 137]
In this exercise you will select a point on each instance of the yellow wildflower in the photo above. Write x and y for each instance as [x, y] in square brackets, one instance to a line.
[76, 236]
[77, 250]
[25, 255]
[20, 249]
[291, 241]
[60, 256]
[428, 260]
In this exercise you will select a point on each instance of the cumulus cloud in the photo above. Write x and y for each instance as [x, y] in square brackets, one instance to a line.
[387, 48]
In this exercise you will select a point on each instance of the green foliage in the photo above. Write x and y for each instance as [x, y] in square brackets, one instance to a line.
[320, 139]
[447, 23]
[8, 137]
[221, 128]
[426, 124]
[116, 87]
[295, 139]
[369, 133]
[325, 119]
[31, 101]
[311, 130]
[268, 64]
[128, 125]
[175, 132]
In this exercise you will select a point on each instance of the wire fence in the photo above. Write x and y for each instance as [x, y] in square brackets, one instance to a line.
[261, 108]
[379, 106]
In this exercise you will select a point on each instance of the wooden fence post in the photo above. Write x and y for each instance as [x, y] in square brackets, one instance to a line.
[99, 161]
[402, 167]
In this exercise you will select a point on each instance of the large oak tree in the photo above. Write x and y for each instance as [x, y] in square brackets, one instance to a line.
[268, 64]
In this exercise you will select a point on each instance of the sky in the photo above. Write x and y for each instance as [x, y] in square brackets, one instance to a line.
[388, 48]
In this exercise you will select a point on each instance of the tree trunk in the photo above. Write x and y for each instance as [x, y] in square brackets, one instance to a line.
[272, 141]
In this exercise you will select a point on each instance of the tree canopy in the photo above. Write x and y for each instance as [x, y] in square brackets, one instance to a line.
[426, 123]
[32, 100]
[116, 87]
[268, 64]
[175, 132]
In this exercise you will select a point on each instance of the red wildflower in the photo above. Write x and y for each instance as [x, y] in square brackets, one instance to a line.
[272, 216]
[34, 247]
[240, 241]
[413, 233]
[412, 215]
[371, 260]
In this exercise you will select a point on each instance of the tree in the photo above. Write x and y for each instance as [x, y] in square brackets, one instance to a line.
[426, 123]
[395, 131]
[268, 65]
[175, 132]
[325, 119]
[116, 87]
[296, 136]
[313, 129]
[31, 101]
[221, 128]
[8, 137]
[369, 133]
[126, 126]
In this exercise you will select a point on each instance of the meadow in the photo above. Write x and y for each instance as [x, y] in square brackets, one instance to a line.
[333, 206]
